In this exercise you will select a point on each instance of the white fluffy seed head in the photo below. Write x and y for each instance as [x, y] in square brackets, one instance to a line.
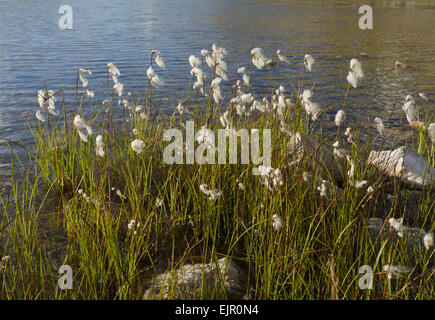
[431, 132]
[308, 62]
[397, 224]
[99, 141]
[194, 61]
[340, 116]
[99, 146]
[113, 69]
[137, 145]
[277, 222]
[40, 116]
[118, 88]
[428, 240]
[380, 126]
[159, 60]
[258, 58]
[150, 73]
[159, 202]
[356, 67]
[352, 79]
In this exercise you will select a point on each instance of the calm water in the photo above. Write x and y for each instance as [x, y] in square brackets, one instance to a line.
[34, 49]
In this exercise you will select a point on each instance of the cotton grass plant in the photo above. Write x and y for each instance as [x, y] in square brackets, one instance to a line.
[96, 194]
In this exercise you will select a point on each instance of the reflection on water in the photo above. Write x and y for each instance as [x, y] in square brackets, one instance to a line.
[34, 49]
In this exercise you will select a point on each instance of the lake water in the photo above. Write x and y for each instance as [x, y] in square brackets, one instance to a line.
[33, 49]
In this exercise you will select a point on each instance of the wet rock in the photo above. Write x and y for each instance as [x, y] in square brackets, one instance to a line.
[392, 233]
[414, 237]
[328, 124]
[399, 64]
[407, 202]
[321, 156]
[395, 272]
[405, 164]
[374, 225]
[185, 282]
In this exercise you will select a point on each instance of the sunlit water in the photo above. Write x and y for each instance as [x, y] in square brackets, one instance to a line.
[33, 49]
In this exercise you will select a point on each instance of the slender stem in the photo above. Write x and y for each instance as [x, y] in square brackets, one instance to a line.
[345, 97]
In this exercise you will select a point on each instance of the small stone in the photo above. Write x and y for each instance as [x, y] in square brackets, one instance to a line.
[185, 282]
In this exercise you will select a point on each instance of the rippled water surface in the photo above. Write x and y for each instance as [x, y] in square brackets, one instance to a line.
[33, 49]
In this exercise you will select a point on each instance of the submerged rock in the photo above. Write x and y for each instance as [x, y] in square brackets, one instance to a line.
[374, 225]
[321, 155]
[405, 164]
[185, 282]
